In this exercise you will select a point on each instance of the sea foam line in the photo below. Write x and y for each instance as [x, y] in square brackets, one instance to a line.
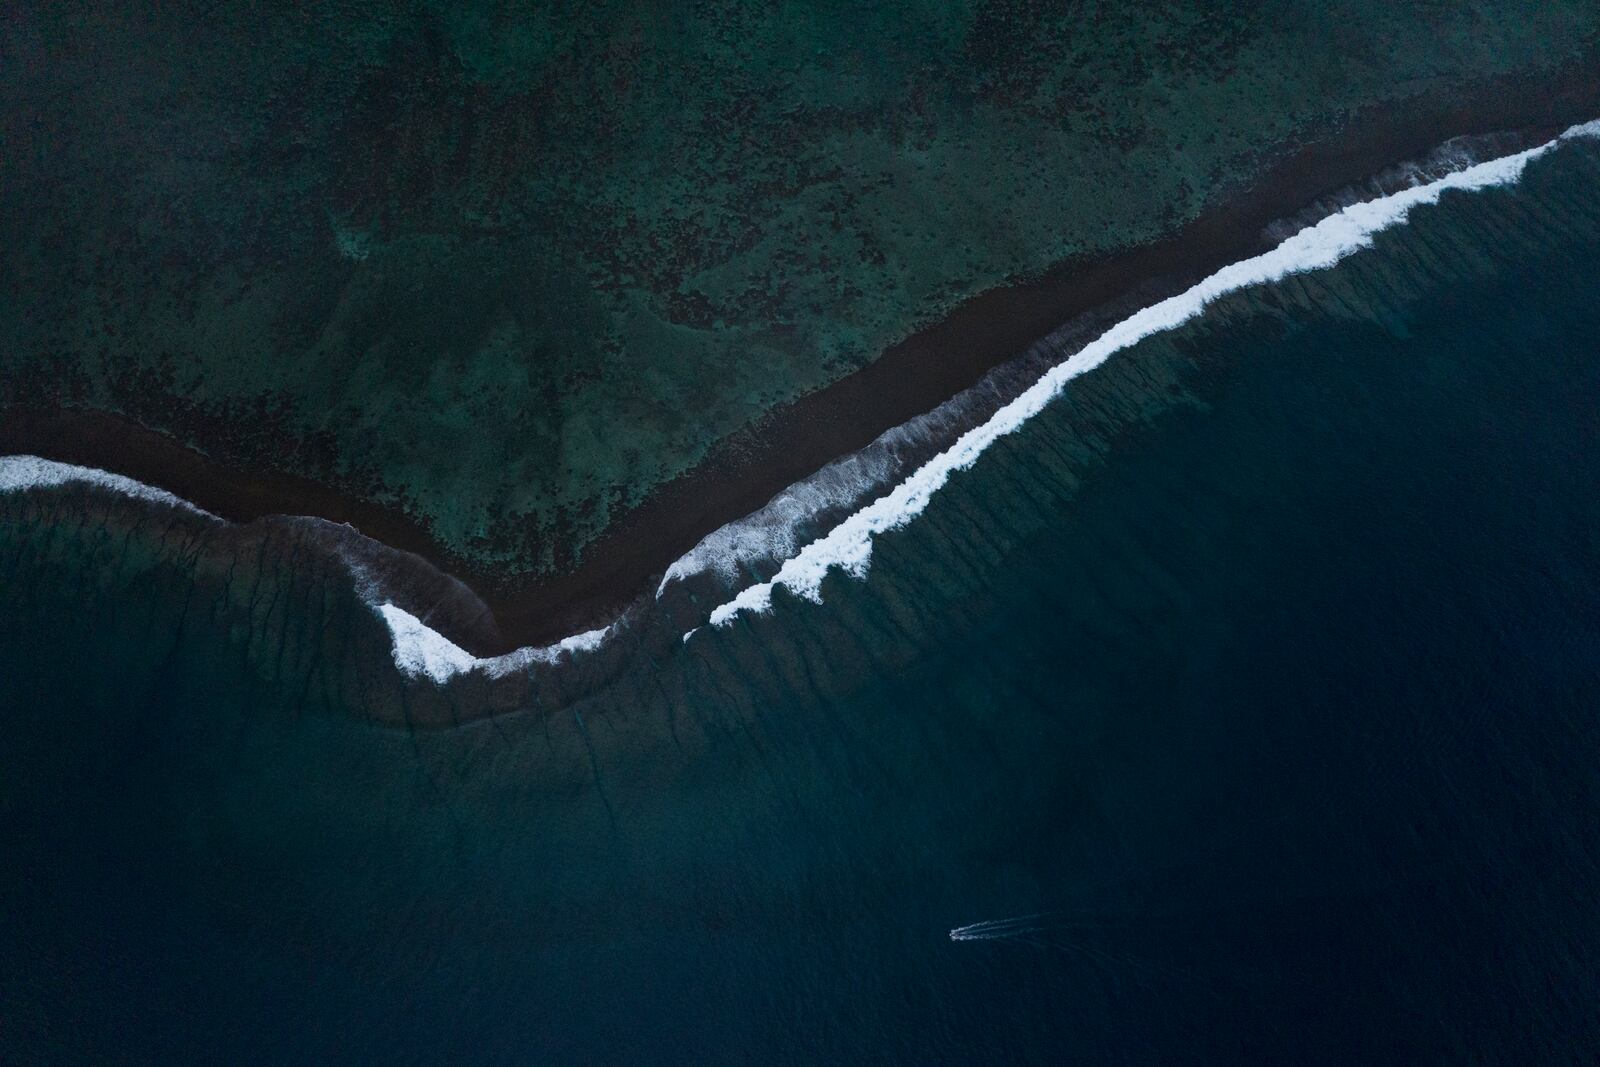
[19, 473]
[418, 649]
[848, 546]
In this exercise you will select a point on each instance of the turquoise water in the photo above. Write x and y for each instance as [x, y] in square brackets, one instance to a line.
[1261, 668]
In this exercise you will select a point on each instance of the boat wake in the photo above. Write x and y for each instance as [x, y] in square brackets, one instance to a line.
[1093, 944]
[1001, 929]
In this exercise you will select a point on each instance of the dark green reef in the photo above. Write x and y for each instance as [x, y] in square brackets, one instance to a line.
[504, 271]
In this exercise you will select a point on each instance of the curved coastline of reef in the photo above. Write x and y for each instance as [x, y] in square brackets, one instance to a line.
[744, 470]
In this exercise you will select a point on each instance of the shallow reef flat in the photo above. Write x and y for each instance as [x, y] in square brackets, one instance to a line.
[486, 280]
[144, 588]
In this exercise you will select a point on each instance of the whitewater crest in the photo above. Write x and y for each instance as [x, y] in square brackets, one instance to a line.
[21, 473]
[770, 535]
[418, 649]
[421, 650]
[848, 546]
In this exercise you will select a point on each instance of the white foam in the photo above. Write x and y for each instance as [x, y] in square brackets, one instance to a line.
[771, 532]
[21, 473]
[421, 651]
[848, 546]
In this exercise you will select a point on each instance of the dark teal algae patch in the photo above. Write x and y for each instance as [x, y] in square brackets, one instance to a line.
[509, 270]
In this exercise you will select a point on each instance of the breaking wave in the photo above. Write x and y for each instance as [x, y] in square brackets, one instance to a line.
[781, 538]
[421, 650]
[20, 473]
[848, 546]
[418, 649]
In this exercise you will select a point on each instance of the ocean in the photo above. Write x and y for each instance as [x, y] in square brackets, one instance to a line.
[1238, 706]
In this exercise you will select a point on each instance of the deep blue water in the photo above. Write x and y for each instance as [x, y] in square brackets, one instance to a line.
[1262, 668]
